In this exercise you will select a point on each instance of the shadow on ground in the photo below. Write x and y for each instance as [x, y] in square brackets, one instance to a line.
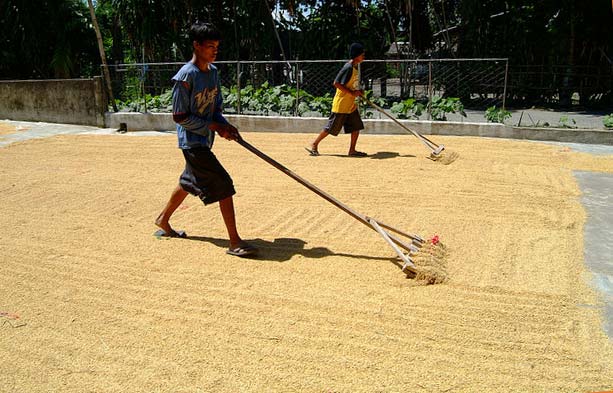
[381, 155]
[283, 249]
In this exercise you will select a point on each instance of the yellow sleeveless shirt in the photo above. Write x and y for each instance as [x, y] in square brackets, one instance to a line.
[343, 102]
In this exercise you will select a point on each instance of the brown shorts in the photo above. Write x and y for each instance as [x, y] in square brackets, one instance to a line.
[351, 122]
[204, 176]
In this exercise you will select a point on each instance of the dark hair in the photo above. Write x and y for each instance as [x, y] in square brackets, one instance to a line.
[355, 50]
[200, 32]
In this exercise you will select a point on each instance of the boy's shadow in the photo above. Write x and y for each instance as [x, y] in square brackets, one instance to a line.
[283, 249]
[381, 155]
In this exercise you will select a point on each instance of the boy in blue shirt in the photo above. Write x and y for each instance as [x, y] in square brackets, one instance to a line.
[197, 110]
[344, 110]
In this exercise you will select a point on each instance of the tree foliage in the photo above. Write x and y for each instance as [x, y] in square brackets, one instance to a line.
[54, 38]
[46, 39]
[537, 32]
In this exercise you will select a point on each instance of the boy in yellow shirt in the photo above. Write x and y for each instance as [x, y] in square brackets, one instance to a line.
[344, 110]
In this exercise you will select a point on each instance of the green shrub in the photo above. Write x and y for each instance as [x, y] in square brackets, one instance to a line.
[279, 99]
[230, 96]
[440, 107]
[264, 99]
[608, 121]
[392, 72]
[148, 103]
[496, 115]
[565, 122]
[321, 104]
[408, 109]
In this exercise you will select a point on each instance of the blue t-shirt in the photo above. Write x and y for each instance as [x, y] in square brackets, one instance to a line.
[196, 103]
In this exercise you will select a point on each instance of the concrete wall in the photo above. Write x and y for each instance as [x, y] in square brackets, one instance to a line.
[163, 122]
[71, 101]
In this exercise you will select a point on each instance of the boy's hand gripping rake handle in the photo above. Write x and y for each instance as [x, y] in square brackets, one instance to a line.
[436, 149]
[391, 239]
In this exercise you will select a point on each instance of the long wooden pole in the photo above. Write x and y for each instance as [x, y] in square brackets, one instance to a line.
[360, 217]
[370, 222]
[427, 142]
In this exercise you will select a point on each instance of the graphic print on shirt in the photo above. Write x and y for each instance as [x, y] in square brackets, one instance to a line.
[205, 99]
[355, 82]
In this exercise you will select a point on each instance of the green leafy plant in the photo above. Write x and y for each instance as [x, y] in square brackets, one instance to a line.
[148, 103]
[230, 96]
[496, 115]
[366, 111]
[408, 109]
[279, 99]
[565, 122]
[321, 104]
[440, 107]
[608, 121]
[392, 72]
[265, 99]
[130, 95]
[161, 103]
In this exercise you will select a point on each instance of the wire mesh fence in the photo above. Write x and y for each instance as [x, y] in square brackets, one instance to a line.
[408, 88]
[439, 89]
[565, 85]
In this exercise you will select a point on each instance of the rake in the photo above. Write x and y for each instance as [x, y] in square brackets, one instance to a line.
[392, 239]
[435, 150]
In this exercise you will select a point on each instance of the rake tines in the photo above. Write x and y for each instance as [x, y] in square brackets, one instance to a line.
[411, 248]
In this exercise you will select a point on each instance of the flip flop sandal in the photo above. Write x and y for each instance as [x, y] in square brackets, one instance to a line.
[312, 152]
[357, 154]
[242, 251]
[163, 233]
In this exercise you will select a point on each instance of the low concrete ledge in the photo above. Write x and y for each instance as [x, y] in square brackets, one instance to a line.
[496, 130]
[137, 121]
[591, 136]
[164, 122]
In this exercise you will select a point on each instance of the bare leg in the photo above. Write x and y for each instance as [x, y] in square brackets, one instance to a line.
[176, 198]
[319, 138]
[354, 140]
[227, 212]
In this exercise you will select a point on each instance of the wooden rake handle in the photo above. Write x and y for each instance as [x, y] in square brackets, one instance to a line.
[393, 240]
[427, 142]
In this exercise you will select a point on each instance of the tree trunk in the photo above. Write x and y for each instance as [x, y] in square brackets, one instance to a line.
[105, 68]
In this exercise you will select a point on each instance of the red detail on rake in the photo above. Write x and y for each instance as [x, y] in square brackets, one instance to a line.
[434, 240]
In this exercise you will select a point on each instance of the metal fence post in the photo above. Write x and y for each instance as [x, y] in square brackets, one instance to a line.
[142, 84]
[296, 75]
[238, 87]
[430, 90]
[506, 76]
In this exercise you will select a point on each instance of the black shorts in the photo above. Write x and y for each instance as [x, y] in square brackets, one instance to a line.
[351, 121]
[204, 176]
